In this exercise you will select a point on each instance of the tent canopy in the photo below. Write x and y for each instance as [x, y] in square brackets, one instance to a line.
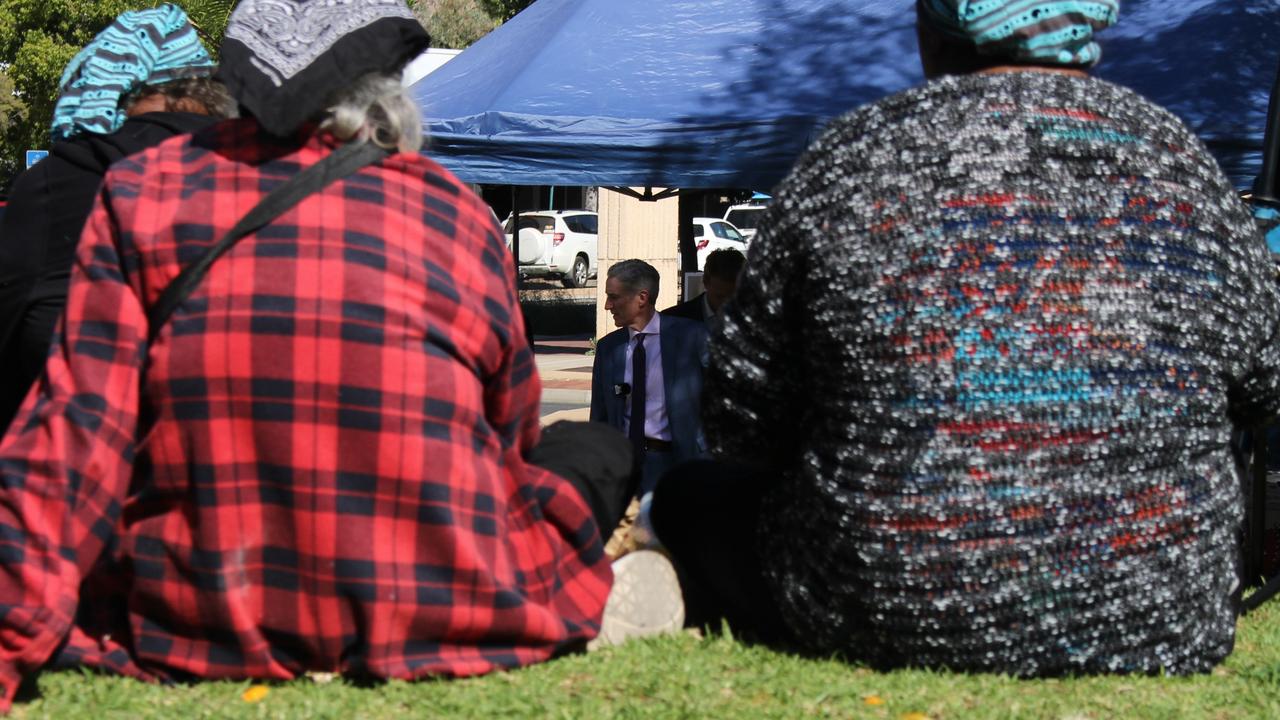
[727, 93]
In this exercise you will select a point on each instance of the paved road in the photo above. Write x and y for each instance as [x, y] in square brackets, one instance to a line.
[548, 408]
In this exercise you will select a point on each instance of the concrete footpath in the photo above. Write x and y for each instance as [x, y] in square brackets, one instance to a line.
[565, 369]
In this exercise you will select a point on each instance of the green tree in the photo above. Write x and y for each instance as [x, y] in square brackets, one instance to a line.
[37, 40]
[12, 109]
[504, 10]
[453, 23]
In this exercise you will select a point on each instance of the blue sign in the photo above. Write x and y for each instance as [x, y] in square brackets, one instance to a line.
[35, 156]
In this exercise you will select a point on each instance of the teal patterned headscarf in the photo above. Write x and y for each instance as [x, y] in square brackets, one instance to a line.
[141, 46]
[1046, 32]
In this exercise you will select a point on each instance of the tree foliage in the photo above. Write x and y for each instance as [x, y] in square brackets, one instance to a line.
[39, 37]
[12, 109]
[504, 10]
[37, 40]
[453, 23]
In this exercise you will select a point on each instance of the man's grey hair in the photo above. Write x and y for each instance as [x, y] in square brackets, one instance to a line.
[636, 275]
[375, 108]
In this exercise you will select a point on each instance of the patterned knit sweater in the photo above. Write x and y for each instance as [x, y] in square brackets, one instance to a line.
[993, 338]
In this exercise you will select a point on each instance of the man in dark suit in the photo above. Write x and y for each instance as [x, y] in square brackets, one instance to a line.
[651, 368]
[719, 283]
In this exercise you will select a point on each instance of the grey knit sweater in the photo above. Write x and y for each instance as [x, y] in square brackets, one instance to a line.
[992, 338]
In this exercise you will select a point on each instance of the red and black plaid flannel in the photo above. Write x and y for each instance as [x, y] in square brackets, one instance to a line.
[316, 466]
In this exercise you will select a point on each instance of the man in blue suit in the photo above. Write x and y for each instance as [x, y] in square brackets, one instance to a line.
[650, 367]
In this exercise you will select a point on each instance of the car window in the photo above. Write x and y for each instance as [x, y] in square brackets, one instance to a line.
[720, 229]
[581, 223]
[697, 231]
[745, 219]
[732, 233]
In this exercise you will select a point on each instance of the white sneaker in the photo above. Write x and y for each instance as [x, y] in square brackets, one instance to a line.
[645, 600]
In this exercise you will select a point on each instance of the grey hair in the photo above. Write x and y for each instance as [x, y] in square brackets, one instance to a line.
[636, 275]
[375, 108]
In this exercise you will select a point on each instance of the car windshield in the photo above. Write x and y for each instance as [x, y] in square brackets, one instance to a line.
[745, 218]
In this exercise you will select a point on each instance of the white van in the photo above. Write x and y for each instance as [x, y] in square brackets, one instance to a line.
[746, 218]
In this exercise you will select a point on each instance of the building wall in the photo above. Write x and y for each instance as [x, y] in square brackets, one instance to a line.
[631, 228]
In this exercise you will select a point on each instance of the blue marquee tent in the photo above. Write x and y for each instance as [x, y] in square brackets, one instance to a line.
[727, 93]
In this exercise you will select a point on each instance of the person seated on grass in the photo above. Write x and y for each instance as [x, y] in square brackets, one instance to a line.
[973, 401]
[324, 458]
[144, 79]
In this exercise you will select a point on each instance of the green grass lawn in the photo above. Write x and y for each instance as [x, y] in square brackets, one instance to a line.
[685, 676]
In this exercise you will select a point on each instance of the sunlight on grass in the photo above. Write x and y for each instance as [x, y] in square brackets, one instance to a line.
[684, 676]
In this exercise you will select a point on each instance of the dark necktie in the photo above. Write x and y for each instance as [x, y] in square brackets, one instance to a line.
[638, 366]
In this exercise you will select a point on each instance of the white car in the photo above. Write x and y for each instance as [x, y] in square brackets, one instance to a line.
[557, 243]
[711, 234]
[746, 218]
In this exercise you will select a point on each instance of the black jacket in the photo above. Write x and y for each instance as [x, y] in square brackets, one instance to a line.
[48, 206]
[690, 309]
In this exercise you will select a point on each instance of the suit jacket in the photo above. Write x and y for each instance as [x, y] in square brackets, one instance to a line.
[690, 309]
[684, 356]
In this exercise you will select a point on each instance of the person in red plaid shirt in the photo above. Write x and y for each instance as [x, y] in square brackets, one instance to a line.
[324, 461]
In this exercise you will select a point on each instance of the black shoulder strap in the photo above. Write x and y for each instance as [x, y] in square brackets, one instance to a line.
[1261, 595]
[340, 163]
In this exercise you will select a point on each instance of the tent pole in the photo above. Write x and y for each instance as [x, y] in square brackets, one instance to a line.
[688, 253]
[648, 195]
[1264, 188]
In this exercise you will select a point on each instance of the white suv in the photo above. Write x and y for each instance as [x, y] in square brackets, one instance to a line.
[746, 218]
[711, 234]
[557, 243]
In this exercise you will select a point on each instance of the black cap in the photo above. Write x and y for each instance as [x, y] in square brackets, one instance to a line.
[282, 60]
